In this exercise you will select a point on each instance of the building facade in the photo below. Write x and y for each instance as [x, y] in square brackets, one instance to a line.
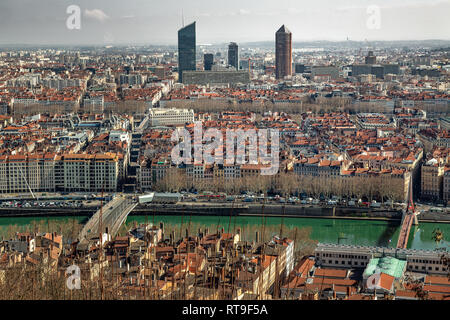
[432, 180]
[283, 53]
[166, 117]
[350, 256]
[233, 55]
[186, 49]
[208, 61]
[227, 77]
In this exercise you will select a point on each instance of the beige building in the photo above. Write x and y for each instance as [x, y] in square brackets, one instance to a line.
[22, 173]
[49, 172]
[85, 172]
[446, 186]
[432, 179]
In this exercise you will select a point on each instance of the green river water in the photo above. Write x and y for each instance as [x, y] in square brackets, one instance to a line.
[356, 232]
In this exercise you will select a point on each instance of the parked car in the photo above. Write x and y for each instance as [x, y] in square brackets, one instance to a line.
[375, 205]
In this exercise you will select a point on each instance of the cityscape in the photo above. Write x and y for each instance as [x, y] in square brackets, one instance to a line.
[236, 170]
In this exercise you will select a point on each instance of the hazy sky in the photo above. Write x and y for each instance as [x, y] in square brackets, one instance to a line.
[157, 22]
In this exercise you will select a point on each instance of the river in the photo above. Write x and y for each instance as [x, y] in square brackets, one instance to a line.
[356, 232]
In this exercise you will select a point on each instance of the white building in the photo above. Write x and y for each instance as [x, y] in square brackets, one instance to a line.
[167, 117]
[349, 256]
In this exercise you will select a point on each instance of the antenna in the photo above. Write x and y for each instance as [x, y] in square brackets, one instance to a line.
[182, 18]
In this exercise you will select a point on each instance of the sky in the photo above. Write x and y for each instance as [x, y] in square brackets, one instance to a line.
[109, 22]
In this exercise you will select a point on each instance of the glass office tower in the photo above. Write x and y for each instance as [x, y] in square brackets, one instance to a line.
[208, 61]
[186, 49]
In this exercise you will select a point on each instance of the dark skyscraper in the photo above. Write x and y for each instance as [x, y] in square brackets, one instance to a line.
[370, 58]
[186, 49]
[283, 52]
[208, 61]
[233, 55]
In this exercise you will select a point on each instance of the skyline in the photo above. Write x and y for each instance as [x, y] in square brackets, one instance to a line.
[155, 22]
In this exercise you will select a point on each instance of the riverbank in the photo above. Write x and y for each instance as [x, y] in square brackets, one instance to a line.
[370, 232]
[227, 209]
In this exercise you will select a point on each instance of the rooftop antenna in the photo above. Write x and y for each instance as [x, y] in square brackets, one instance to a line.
[182, 17]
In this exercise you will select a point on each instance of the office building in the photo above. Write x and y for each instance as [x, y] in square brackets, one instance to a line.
[219, 77]
[186, 49]
[233, 55]
[300, 68]
[283, 53]
[330, 72]
[208, 61]
[371, 58]
[166, 117]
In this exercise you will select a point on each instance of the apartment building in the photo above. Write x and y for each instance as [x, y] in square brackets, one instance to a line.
[446, 186]
[144, 176]
[268, 268]
[21, 173]
[432, 179]
[85, 172]
[51, 172]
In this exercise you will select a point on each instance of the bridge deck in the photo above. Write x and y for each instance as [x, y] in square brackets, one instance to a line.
[405, 230]
[113, 215]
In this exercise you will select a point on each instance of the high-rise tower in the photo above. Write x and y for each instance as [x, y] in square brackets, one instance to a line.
[283, 52]
[371, 58]
[208, 61]
[233, 55]
[186, 49]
